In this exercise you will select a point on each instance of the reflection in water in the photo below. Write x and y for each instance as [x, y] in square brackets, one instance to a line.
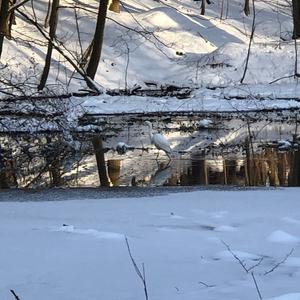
[162, 175]
[114, 171]
[230, 151]
[269, 168]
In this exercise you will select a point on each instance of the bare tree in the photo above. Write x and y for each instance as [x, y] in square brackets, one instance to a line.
[47, 18]
[247, 7]
[101, 164]
[4, 22]
[296, 18]
[203, 2]
[52, 30]
[98, 40]
[115, 6]
[250, 41]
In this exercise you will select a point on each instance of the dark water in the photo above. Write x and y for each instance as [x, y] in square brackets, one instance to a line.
[269, 168]
[238, 149]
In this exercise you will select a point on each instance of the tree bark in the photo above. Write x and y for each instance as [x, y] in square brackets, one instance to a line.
[60, 51]
[115, 6]
[203, 2]
[247, 7]
[1, 44]
[114, 170]
[296, 18]
[1, 37]
[98, 40]
[99, 153]
[250, 41]
[52, 31]
[47, 18]
[4, 19]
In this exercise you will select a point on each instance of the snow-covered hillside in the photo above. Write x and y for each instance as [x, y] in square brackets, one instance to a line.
[163, 41]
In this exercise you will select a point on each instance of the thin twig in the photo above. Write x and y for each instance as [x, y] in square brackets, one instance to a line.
[241, 262]
[15, 295]
[281, 78]
[141, 274]
[256, 286]
[257, 264]
[236, 257]
[17, 5]
[280, 263]
[206, 285]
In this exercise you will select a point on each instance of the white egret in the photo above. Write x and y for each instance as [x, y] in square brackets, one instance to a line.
[159, 141]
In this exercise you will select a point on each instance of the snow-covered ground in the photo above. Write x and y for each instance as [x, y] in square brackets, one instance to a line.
[230, 99]
[161, 42]
[158, 43]
[75, 249]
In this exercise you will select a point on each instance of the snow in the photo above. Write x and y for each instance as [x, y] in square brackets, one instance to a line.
[205, 123]
[242, 255]
[75, 247]
[291, 296]
[293, 262]
[280, 236]
[201, 100]
[170, 43]
[91, 232]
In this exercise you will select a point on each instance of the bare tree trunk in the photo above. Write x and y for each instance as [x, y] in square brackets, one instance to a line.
[199, 171]
[222, 10]
[114, 170]
[55, 173]
[1, 44]
[47, 19]
[4, 22]
[247, 7]
[12, 19]
[248, 164]
[3, 178]
[53, 25]
[115, 6]
[203, 2]
[294, 175]
[296, 18]
[98, 147]
[250, 41]
[4, 18]
[98, 40]
[8, 177]
[230, 167]
[1, 36]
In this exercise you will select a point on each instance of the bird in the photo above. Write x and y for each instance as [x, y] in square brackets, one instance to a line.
[159, 141]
